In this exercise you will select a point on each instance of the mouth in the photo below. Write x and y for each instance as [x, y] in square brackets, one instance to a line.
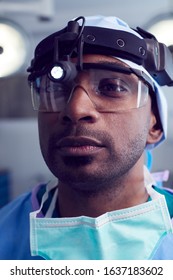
[78, 146]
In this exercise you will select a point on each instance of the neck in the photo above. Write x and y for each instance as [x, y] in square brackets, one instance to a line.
[123, 193]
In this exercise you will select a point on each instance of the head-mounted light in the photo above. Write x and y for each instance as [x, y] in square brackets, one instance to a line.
[63, 71]
[57, 72]
[76, 40]
[106, 36]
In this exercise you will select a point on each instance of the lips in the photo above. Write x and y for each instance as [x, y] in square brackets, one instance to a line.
[78, 146]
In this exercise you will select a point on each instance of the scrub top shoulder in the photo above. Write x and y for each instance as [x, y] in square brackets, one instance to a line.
[14, 229]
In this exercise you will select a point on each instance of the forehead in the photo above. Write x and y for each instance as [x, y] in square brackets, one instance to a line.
[104, 59]
[96, 58]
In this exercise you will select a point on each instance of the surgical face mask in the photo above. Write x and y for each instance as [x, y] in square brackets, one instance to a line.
[131, 233]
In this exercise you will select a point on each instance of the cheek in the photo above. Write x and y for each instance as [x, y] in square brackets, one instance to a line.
[46, 124]
[128, 126]
[47, 121]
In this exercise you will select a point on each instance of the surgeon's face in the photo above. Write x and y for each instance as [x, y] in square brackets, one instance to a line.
[88, 149]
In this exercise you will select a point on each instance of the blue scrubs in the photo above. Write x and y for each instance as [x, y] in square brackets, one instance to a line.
[15, 232]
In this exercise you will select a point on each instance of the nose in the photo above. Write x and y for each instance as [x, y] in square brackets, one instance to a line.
[79, 107]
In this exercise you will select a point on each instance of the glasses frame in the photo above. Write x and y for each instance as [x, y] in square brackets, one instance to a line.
[111, 66]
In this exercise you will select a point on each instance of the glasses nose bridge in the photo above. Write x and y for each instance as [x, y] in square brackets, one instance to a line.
[79, 105]
[75, 89]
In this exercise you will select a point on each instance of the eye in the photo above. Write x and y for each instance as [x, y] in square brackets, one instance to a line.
[115, 88]
[59, 90]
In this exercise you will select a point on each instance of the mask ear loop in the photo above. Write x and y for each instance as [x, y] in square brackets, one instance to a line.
[149, 159]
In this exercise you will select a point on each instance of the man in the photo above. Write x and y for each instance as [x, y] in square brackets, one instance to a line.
[97, 87]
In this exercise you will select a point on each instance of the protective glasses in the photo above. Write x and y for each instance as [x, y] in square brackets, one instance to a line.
[110, 90]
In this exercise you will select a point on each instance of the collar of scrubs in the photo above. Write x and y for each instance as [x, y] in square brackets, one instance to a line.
[132, 233]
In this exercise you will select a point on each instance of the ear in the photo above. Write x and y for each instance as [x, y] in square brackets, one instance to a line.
[155, 132]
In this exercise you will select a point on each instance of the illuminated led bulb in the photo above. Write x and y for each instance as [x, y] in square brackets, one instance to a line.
[57, 72]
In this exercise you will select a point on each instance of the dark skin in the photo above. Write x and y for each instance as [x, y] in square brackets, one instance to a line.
[101, 170]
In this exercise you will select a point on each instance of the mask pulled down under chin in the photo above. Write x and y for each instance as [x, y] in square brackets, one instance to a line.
[131, 233]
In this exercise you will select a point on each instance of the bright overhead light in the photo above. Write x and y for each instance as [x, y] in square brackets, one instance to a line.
[163, 31]
[161, 27]
[13, 48]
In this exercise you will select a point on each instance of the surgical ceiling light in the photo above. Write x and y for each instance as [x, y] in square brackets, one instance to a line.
[162, 28]
[13, 47]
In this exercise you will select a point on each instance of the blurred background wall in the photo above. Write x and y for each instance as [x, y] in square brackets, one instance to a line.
[21, 163]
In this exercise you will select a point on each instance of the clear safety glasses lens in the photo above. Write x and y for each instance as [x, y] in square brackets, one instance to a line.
[109, 91]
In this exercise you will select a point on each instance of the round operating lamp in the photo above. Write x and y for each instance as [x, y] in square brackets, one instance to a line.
[13, 48]
[162, 28]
